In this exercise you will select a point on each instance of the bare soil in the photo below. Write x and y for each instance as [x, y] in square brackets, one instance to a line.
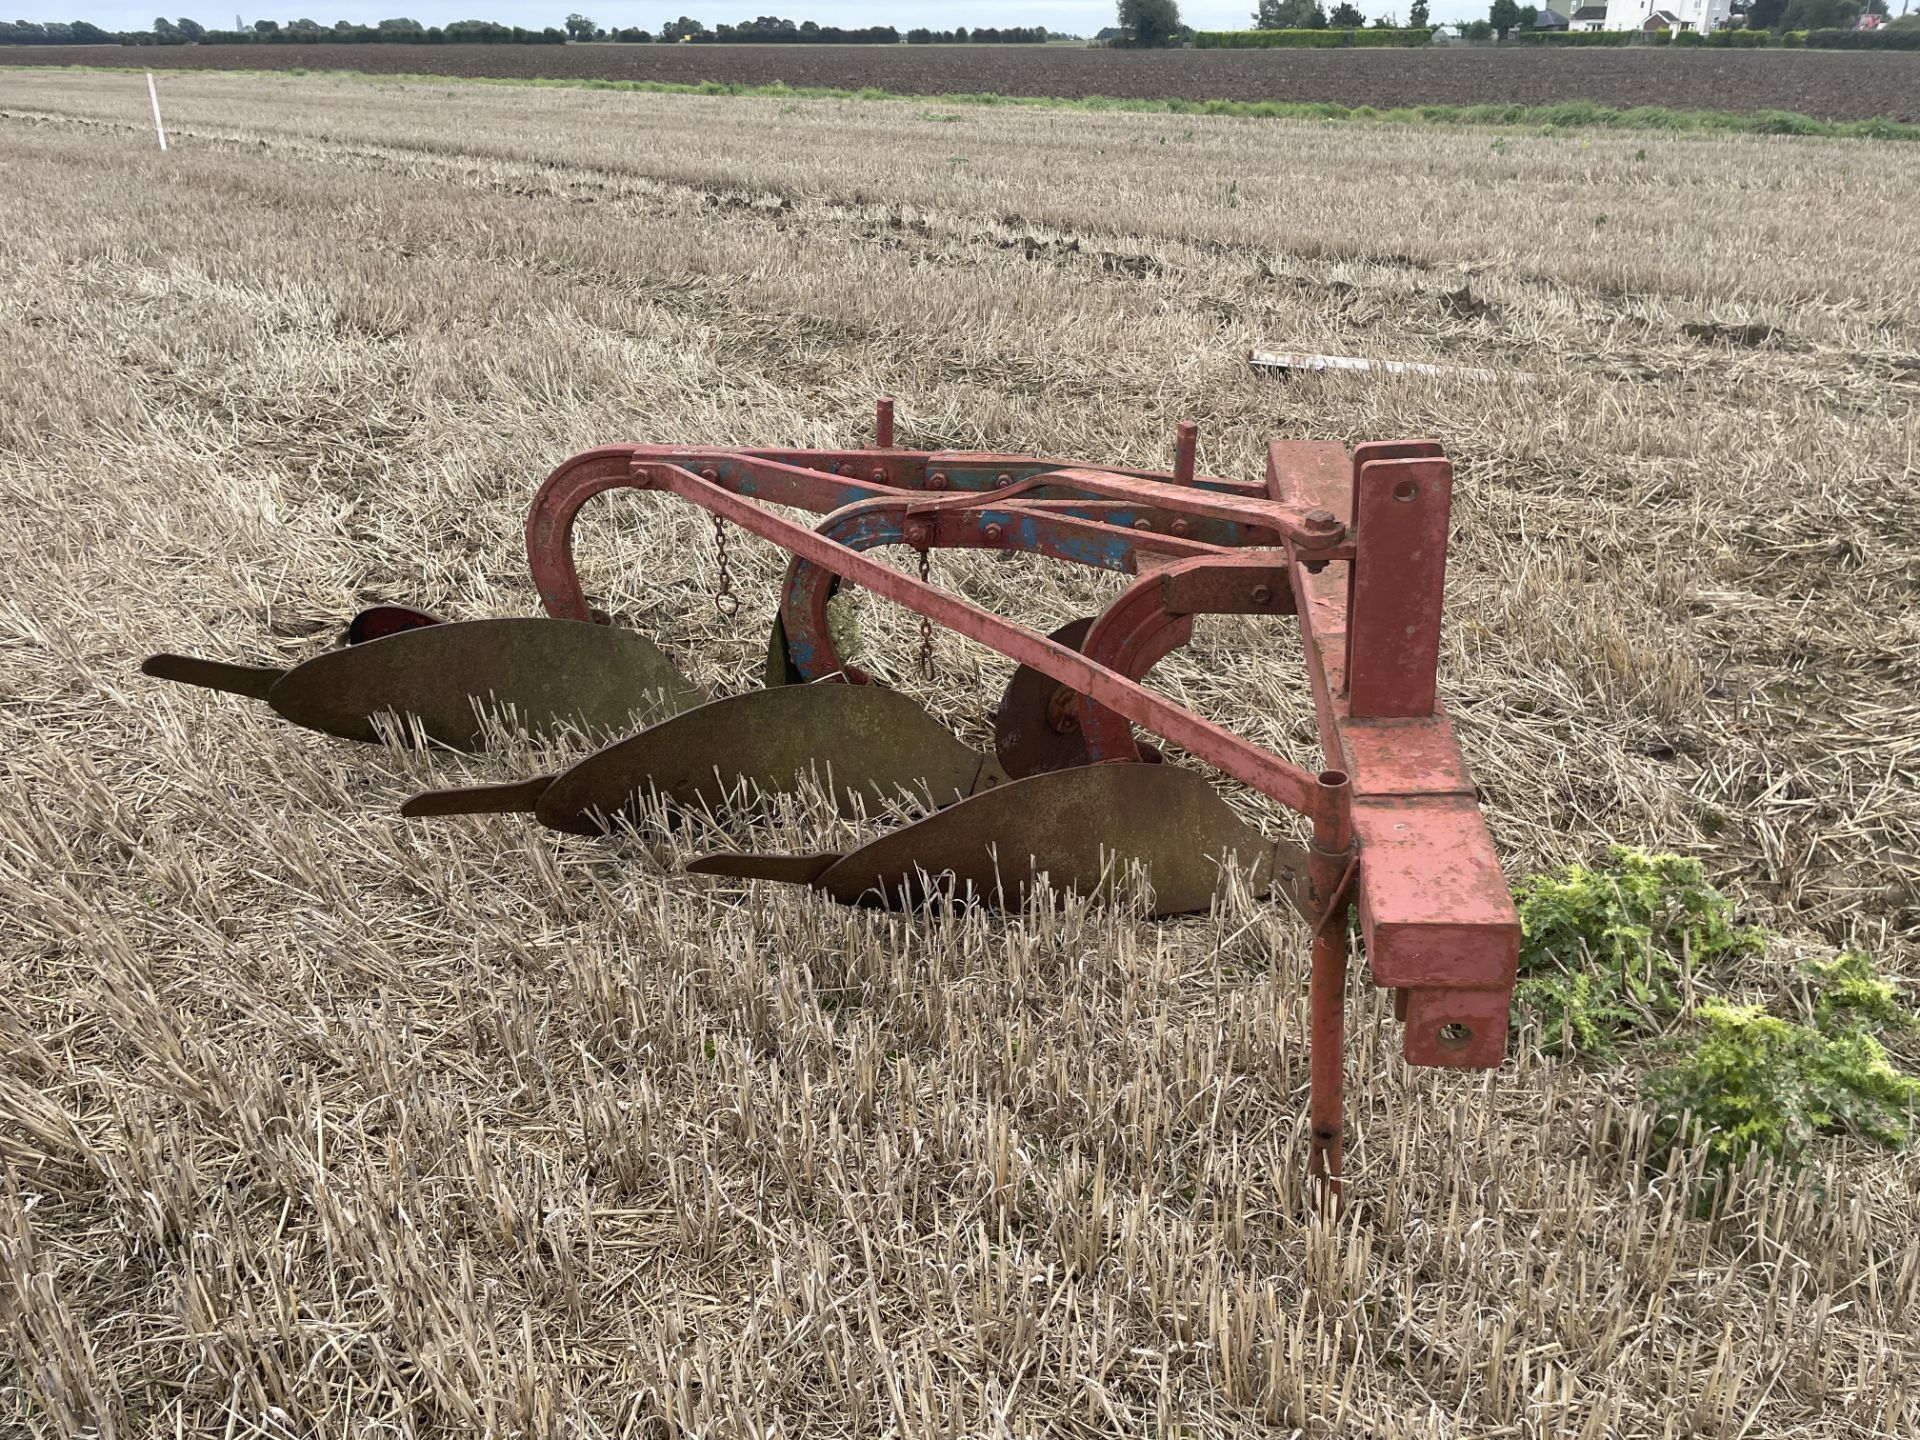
[1828, 85]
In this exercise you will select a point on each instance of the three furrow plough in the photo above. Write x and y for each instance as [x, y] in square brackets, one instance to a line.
[1353, 547]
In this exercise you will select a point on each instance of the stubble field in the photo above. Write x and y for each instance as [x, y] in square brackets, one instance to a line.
[318, 1122]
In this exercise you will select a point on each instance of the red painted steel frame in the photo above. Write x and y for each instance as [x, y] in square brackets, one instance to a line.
[1356, 548]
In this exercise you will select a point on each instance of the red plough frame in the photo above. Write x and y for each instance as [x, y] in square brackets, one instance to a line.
[1354, 547]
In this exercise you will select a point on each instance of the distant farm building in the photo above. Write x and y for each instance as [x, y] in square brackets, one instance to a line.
[1705, 16]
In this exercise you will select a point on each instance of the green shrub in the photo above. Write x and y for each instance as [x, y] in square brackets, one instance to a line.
[1863, 39]
[1576, 37]
[1605, 951]
[1754, 1082]
[1608, 953]
[1308, 39]
[1853, 993]
[1726, 38]
[1416, 35]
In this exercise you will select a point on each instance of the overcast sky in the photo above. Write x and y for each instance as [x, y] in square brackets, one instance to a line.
[1080, 17]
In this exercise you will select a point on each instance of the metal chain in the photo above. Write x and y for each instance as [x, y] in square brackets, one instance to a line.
[926, 625]
[724, 600]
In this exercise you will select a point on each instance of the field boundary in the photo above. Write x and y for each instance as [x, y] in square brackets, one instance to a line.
[1564, 115]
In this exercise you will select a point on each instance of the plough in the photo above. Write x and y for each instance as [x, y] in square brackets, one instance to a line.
[1354, 547]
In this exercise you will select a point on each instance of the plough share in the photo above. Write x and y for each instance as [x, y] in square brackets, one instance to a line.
[1354, 547]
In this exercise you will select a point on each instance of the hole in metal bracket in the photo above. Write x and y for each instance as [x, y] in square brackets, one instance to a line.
[1406, 490]
[1456, 1036]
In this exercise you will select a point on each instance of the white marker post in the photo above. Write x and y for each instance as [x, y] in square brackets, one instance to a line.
[154, 95]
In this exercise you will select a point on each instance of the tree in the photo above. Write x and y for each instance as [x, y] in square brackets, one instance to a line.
[266, 27]
[1417, 14]
[579, 27]
[1529, 16]
[1479, 30]
[1503, 15]
[1820, 14]
[1291, 15]
[1151, 23]
[1346, 16]
[683, 28]
[191, 31]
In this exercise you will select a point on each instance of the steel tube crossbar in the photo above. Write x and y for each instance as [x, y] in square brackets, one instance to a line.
[1273, 777]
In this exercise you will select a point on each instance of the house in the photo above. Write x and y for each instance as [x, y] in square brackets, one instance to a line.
[1444, 35]
[1588, 17]
[1551, 20]
[1705, 16]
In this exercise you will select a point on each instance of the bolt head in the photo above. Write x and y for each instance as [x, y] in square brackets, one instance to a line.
[937, 480]
[1063, 711]
[1321, 520]
[709, 474]
[918, 535]
[879, 476]
[993, 533]
[1181, 528]
[1261, 595]
[1003, 478]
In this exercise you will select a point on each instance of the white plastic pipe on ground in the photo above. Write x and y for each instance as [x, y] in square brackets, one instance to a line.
[154, 95]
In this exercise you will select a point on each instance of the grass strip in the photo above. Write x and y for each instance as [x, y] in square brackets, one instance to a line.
[1563, 115]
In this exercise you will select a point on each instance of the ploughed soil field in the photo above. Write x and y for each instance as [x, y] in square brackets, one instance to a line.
[1831, 85]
